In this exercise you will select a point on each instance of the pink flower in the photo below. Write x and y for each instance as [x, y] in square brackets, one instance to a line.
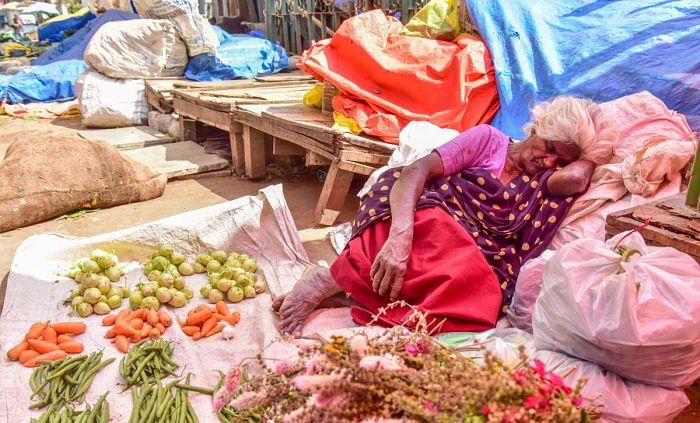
[311, 383]
[485, 410]
[419, 347]
[358, 344]
[315, 363]
[327, 401]
[285, 366]
[232, 381]
[430, 406]
[249, 399]
[540, 368]
[411, 350]
[532, 402]
[577, 400]
[383, 362]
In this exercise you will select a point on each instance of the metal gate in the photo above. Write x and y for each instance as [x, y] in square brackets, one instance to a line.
[296, 23]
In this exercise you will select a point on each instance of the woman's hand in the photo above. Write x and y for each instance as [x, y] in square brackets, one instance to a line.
[389, 267]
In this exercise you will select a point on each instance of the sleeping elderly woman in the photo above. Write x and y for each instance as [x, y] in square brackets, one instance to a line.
[449, 233]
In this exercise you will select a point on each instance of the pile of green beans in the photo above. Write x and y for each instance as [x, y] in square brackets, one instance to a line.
[97, 414]
[153, 402]
[148, 361]
[65, 381]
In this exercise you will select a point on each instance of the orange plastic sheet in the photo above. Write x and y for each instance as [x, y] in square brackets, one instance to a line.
[388, 79]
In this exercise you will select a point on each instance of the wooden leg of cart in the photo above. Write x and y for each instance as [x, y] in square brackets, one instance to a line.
[237, 147]
[333, 195]
[254, 151]
[188, 129]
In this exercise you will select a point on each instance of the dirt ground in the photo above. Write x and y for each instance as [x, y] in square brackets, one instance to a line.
[185, 195]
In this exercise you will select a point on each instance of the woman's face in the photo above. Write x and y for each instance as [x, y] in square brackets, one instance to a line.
[538, 154]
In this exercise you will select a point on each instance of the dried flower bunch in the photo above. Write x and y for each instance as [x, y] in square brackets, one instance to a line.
[399, 375]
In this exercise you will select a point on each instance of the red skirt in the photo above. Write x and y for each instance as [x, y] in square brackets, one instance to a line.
[447, 276]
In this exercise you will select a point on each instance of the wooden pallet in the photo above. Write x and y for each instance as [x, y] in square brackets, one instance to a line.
[671, 224]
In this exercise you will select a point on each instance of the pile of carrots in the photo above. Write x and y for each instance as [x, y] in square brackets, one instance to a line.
[46, 342]
[203, 321]
[132, 326]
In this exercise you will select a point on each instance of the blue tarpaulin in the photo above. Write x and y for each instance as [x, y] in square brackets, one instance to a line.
[73, 47]
[54, 29]
[599, 49]
[53, 82]
[238, 56]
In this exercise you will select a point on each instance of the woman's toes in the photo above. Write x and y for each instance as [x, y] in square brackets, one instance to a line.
[278, 302]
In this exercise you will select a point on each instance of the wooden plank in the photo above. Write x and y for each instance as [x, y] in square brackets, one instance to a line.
[254, 151]
[313, 159]
[237, 147]
[364, 157]
[333, 195]
[281, 78]
[373, 144]
[211, 117]
[127, 138]
[286, 148]
[177, 159]
[188, 129]
[357, 167]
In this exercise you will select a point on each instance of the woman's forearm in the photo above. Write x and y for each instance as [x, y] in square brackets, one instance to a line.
[571, 179]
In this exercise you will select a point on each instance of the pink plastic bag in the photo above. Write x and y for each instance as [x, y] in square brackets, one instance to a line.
[643, 323]
[527, 289]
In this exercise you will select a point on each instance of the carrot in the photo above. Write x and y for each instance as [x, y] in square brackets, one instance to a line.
[122, 343]
[181, 322]
[198, 317]
[35, 330]
[110, 334]
[190, 330]
[135, 339]
[26, 355]
[49, 335]
[73, 328]
[209, 324]
[160, 328]
[221, 308]
[63, 338]
[71, 347]
[152, 317]
[136, 324]
[164, 318]
[141, 314]
[123, 328]
[216, 329]
[122, 315]
[197, 336]
[145, 330]
[42, 347]
[155, 333]
[14, 352]
[233, 319]
[219, 316]
[109, 320]
[44, 358]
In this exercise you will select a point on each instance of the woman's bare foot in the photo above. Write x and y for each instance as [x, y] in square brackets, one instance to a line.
[315, 285]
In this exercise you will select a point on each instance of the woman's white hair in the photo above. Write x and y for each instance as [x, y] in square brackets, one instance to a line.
[577, 121]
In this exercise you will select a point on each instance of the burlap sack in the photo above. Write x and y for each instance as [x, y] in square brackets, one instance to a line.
[45, 176]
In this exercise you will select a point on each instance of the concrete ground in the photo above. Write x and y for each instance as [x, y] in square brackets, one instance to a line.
[182, 196]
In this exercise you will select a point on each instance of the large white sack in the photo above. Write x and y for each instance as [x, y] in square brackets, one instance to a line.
[618, 400]
[140, 48]
[111, 103]
[193, 28]
[643, 323]
[527, 289]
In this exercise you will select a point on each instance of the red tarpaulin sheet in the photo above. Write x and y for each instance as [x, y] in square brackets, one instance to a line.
[388, 79]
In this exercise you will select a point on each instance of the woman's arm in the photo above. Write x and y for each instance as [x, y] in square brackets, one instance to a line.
[389, 266]
[571, 179]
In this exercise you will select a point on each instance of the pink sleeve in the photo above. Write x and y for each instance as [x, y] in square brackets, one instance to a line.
[481, 146]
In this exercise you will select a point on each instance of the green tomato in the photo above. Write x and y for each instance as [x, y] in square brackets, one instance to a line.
[165, 251]
[104, 285]
[92, 295]
[235, 294]
[149, 289]
[172, 269]
[215, 296]
[77, 300]
[126, 291]
[178, 300]
[114, 273]
[76, 292]
[90, 266]
[106, 261]
[188, 291]
[179, 282]
[90, 280]
[250, 266]
[154, 275]
[114, 290]
[150, 303]
[260, 286]
[199, 268]
[249, 291]
[166, 279]
[160, 263]
[204, 290]
[224, 285]
[147, 267]
[79, 275]
[164, 295]
[135, 300]
[185, 269]
[115, 301]
[214, 279]
[177, 258]
[84, 309]
[242, 280]
[101, 308]
[72, 272]
[203, 259]
[226, 272]
[219, 256]
[213, 266]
